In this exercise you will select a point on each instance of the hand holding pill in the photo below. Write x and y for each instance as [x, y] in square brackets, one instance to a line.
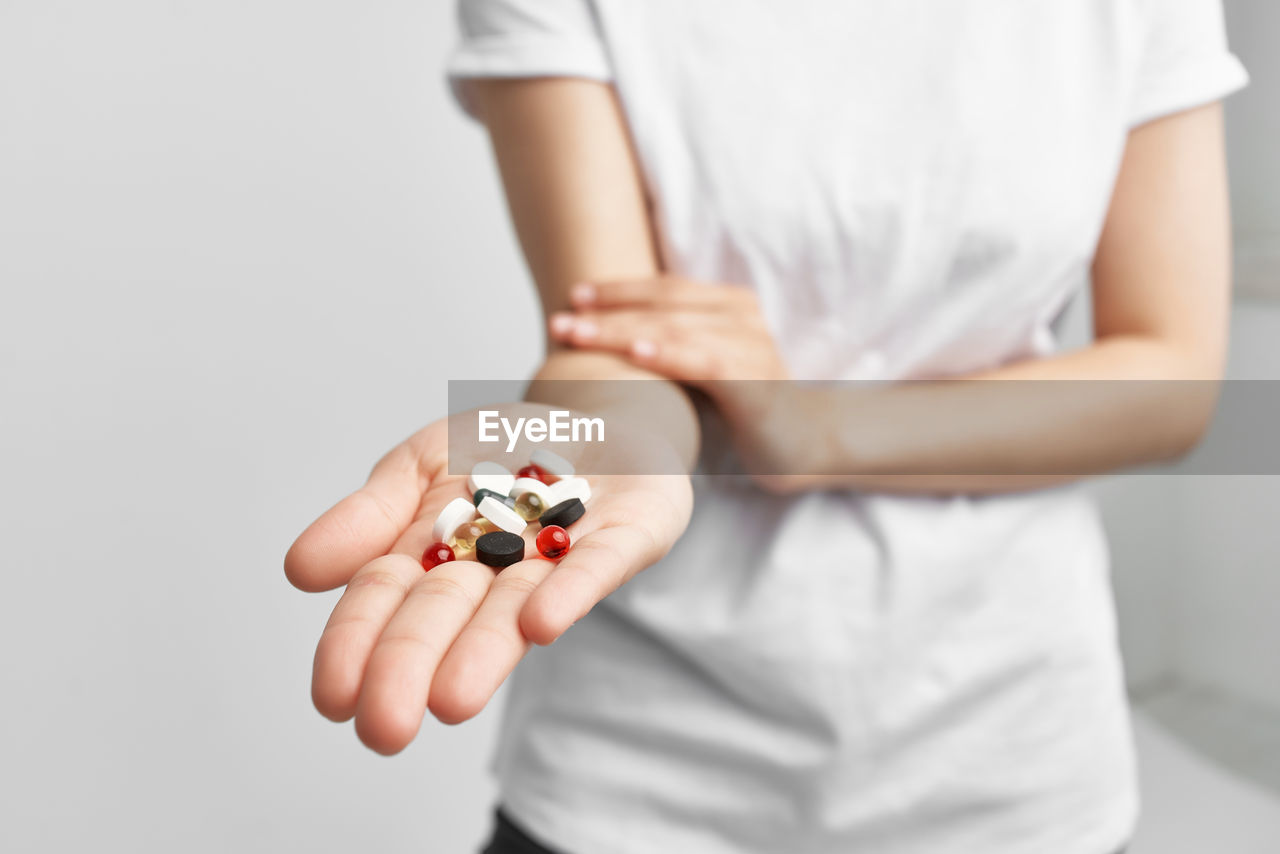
[402, 641]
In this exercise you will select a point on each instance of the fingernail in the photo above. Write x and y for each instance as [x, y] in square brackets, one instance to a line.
[644, 349]
[585, 329]
[582, 293]
[561, 324]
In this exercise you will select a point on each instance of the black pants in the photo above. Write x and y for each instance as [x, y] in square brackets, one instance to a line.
[510, 839]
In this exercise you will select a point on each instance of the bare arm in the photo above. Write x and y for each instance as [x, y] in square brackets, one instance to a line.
[578, 204]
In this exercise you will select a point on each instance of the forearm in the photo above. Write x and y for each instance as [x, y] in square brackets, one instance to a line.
[579, 210]
[1124, 401]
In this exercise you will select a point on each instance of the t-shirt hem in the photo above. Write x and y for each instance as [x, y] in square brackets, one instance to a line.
[536, 817]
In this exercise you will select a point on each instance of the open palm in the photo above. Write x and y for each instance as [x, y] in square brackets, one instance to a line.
[402, 641]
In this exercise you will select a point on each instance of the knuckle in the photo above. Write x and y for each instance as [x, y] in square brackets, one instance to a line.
[341, 629]
[517, 584]
[413, 644]
[442, 586]
[375, 578]
[505, 636]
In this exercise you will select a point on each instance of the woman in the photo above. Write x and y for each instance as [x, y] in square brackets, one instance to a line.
[885, 659]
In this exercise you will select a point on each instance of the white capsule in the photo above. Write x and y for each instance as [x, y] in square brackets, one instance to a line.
[456, 512]
[490, 475]
[531, 484]
[552, 463]
[570, 487]
[501, 515]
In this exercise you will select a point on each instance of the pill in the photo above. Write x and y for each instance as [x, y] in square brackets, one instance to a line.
[570, 487]
[500, 548]
[537, 487]
[551, 463]
[464, 538]
[436, 554]
[501, 515]
[532, 471]
[530, 506]
[490, 475]
[563, 514]
[552, 542]
[456, 512]
[501, 496]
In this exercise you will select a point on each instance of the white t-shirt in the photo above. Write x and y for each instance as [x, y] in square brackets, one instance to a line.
[914, 189]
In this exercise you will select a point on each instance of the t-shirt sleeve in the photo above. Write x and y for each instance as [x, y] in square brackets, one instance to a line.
[1183, 59]
[526, 38]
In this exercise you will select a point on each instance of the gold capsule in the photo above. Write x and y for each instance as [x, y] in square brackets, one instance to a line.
[464, 538]
[530, 506]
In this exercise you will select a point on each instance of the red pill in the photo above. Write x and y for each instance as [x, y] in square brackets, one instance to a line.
[552, 542]
[534, 472]
[436, 554]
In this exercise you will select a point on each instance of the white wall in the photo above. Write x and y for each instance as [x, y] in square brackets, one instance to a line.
[1228, 574]
[241, 247]
[1254, 125]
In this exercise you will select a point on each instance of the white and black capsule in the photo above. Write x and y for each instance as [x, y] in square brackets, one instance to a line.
[563, 514]
[481, 494]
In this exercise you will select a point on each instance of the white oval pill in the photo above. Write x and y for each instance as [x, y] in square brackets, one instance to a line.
[456, 512]
[552, 463]
[570, 487]
[531, 484]
[490, 475]
[501, 515]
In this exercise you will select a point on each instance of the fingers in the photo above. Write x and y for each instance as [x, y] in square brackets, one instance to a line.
[675, 345]
[596, 566]
[489, 648]
[372, 596]
[615, 330]
[394, 692]
[361, 526]
[664, 292]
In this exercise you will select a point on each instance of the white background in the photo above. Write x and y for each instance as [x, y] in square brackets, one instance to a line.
[242, 247]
